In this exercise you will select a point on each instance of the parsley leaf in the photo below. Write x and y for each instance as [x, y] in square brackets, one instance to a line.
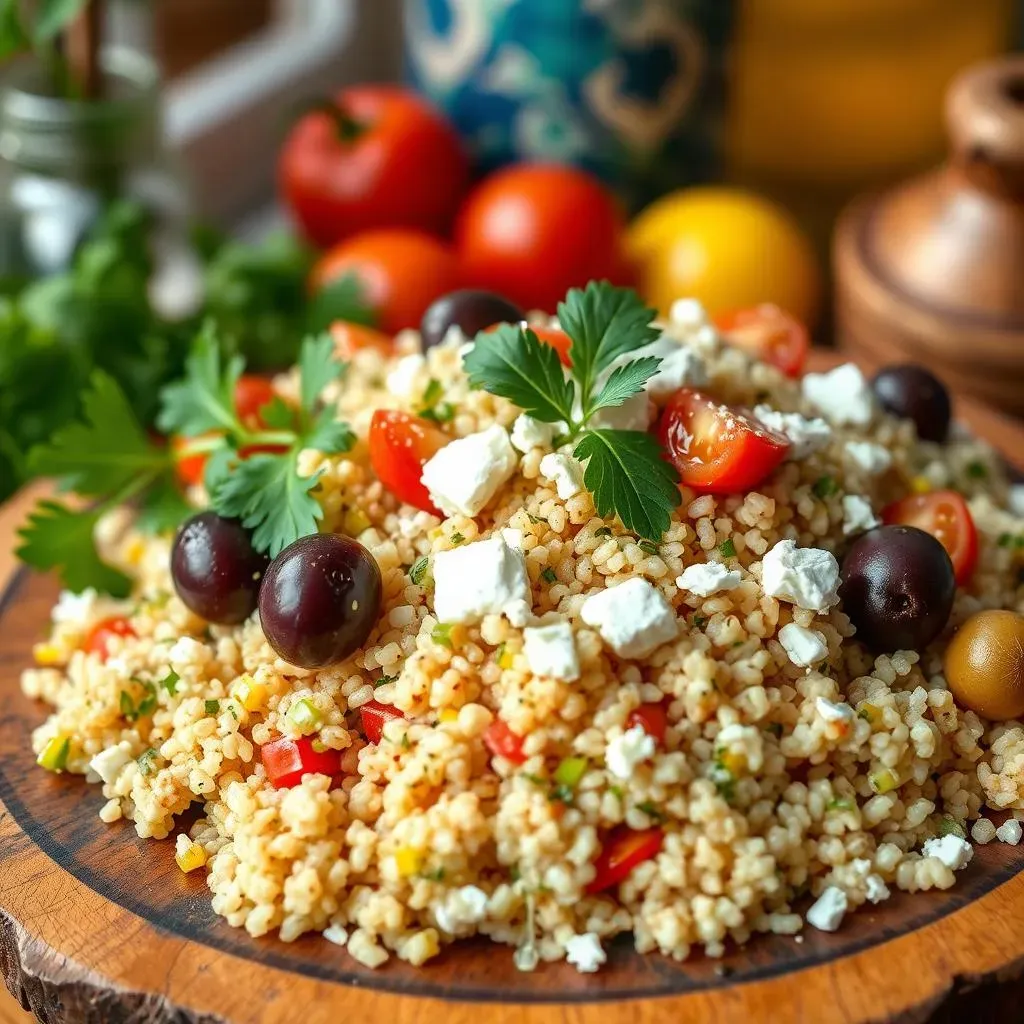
[342, 299]
[329, 435]
[318, 367]
[628, 477]
[513, 363]
[268, 495]
[624, 382]
[162, 507]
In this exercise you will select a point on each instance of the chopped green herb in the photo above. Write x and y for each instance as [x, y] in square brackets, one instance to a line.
[548, 575]
[603, 531]
[437, 875]
[616, 791]
[419, 574]
[457, 538]
[1005, 540]
[535, 779]
[513, 872]
[650, 810]
[562, 794]
[977, 470]
[213, 707]
[432, 393]
[570, 770]
[727, 548]
[699, 620]
[233, 711]
[949, 826]
[384, 679]
[405, 741]
[649, 546]
[305, 716]
[536, 519]
[133, 711]
[775, 728]
[170, 682]
[441, 634]
[825, 487]
[443, 412]
[147, 761]
[839, 804]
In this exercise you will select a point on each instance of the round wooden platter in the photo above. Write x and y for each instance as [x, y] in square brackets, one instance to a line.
[97, 925]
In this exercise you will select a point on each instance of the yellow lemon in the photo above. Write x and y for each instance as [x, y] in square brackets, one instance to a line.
[726, 247]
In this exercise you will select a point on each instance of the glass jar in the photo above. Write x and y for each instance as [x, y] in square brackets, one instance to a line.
[63, 161]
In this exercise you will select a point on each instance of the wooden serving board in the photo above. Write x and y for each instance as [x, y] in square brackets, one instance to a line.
[99, 926]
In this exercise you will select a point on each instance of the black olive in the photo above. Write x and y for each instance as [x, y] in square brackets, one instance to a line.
[897, 588]
[215, 569]
[469, 310]
[319, 600]
[914, 393]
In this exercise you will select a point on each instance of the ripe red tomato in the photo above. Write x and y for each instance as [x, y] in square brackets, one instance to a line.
[501, 741]
[251, 394]
[352, 338]
[385, 158]
[622, 851]
[400, 444]
[717, 449]
[945, 515]
[97, 640]
[770, 334]
[189, 468]
[400, 272]
[533, 231]
[652, 718]
[286, 761]
[374, 715]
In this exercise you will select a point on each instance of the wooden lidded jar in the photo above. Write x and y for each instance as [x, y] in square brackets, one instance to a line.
[933, 271]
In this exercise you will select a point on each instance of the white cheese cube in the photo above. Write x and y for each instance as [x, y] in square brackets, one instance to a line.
[626, 751]
[465, 474]
[869, 457]
[635, 413]
[707, 578]
[1010, 832]
[565, 472]
[876, 889]
[529, 433]
[461, 909]
[954, 852]
[830, 711]
[584, 952]
[109, 763]
[402, 380]
[805, 647]
[478, 579]
[842, 395]
[633, 618]
[806, 577]
[551, 651]
[680, 366]
[828, 910]
[806, 436]
[858, 515]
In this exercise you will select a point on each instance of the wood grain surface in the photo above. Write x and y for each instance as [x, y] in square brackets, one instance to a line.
[99, 926]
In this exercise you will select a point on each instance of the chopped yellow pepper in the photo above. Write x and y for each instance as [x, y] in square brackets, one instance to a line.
[47, 654]
[355, 521]
[408, 861]
[249, 693]
[188, 855]
[54, 756]
[921, 485]
[448, 715]
[884, 781]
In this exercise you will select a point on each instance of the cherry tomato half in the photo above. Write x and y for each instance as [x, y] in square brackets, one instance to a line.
[652, 718]
[531, 232]
[400, 444]
[383, 157]
[97, 640]
[501, 741]
[287, 760]
[400, 273]
[717, 449]
[945, 515]
[352, 338]
[251, 395]
[374, 715]
[622, 851]
[770, 334]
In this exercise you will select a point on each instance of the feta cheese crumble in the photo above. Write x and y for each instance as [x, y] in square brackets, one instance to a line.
[830, 711]
[565, 472]
[842, 395]
[707, 578]
[633, 618]
[680, 366]
[806, 436]
[828, 910]
[635, 413]
[551, 651]
[401, 381]
[876, 889]
[465, 474]
[626, 751]
[529, 433]
[75, 609]
[806, 577]
[1010, 832]
[474, 580]
[463, 907]
[805, 647]
[584, 952]
[872, 458]
[109, 763]
[954, 852]
[858, 515]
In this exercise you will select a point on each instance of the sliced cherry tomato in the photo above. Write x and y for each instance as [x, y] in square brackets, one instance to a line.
[652, 718]
[770, 334]
[558, 340]
[351, 338]
[945, 515]
[399, 273]
[189, 469]
[287, 760]
[97, 641]
[400, 444]
[251, 395]
[717, 449]
[374, 715]
[501, 741]
[622, 851]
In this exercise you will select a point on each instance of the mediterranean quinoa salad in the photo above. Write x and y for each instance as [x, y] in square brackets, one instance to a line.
[547, 634]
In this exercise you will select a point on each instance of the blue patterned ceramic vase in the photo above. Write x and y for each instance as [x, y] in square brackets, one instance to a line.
[630, 89]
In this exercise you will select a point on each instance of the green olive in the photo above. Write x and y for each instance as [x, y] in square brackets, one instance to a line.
[985, 664]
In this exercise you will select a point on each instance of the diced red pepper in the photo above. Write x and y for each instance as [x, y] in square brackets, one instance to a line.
[287, 760]
[623, 850]
[374, 716]
[768, 333]
[501, 741]
[98, 639]
[399, 446]
[652, 718]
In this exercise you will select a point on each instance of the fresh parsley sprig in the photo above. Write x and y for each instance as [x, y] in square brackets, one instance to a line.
[624, 469]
